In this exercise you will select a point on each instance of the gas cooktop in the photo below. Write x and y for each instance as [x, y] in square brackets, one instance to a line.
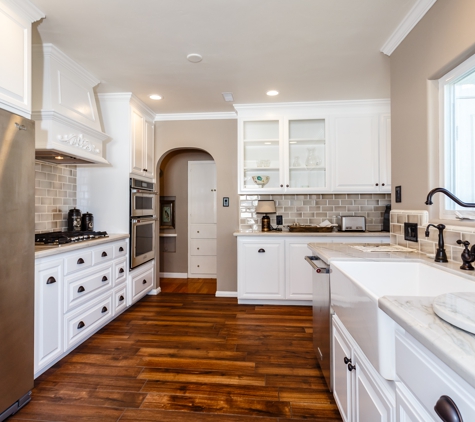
[61, 238]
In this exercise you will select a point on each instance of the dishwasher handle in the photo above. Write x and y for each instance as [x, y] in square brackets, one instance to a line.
[312, 260]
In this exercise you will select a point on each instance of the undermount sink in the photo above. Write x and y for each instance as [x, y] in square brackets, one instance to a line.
[357, 286]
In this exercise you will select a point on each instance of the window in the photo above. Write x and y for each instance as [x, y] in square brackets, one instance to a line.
[457, 100]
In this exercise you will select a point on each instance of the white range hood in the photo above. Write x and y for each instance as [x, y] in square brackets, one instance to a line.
[67, 130]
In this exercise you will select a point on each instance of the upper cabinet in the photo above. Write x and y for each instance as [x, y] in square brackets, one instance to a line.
[142, 156]
[16, 18]
[314, 147]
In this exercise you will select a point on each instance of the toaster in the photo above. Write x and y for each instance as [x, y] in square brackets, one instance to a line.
[351, 223]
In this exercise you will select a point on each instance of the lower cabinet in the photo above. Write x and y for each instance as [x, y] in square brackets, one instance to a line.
[360, 392]
[141, 281]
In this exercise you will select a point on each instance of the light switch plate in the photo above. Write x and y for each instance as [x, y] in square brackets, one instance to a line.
[225, 201]
[278, 220]
[398, 193]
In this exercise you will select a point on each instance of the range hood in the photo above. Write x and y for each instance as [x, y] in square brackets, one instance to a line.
[67, 130]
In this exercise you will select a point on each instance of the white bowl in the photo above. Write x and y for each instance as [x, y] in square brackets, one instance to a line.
[261, 180]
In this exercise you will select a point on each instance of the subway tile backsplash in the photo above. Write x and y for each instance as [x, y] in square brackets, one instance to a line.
[55, 195]
[314, 209]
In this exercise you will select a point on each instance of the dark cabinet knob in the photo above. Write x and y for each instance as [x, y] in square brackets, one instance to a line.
[351, 367]
[104, 278]
[81, 324]
[104, 254]
[81, 289]
[377, 184]
[121, 298]
[144, 282]
[121, 249]
[287, 186]
[447, 410]
[382, 184]
[104, 309]
[346, 360]
[80, 261]
[51, 280]
[261, 250]
[281, 186]
[121, 271]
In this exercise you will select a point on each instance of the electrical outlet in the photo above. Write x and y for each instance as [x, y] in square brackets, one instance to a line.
[225, 201]
[410, 232]
[278, 220]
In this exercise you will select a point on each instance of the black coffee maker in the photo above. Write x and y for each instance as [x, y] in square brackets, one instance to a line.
[74, 220]
[386, 215]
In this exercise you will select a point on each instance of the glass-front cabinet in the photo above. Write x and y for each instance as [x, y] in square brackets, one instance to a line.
[283, 155]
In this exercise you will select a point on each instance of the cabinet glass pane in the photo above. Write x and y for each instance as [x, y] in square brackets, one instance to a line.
[307, 153]
[261, 154]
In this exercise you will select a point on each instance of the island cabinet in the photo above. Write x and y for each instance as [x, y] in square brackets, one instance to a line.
[76, 293]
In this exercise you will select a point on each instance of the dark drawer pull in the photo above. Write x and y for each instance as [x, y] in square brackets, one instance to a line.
[81, 289]
[261, 250]
[80, 261]
[144, 282]
[351, 367]
[121, 249]
[104, 278]
[121, 271]
[81, 324]
[104, 254]
[447, 410]
[121, 298]
[51, 280]
[346, 360]
[104, 309]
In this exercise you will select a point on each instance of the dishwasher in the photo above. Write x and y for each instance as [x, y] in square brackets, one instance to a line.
[321, 315]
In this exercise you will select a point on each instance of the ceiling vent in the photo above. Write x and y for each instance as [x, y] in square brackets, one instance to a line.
[228, 96]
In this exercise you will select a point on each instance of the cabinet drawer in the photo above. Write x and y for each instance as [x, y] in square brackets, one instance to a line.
[203, 231]
[203, 247]
[202, 264]
[83, 288]
[81, 324]
[428, 378]
[120, 299]
[120, 271]
[103, 254]
[78, 261]
[120, 249]
[141, 283]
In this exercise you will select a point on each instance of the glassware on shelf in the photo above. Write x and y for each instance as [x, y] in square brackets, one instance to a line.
[296, 162]
[312, 160]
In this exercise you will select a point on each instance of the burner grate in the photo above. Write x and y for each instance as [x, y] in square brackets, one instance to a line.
[61, 238]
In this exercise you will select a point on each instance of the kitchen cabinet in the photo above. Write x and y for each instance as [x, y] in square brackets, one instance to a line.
[141, 281]
[142, 146]
[360, 392]
[15, 67]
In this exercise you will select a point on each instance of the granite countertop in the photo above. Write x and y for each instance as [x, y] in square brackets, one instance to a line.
[44, 251]
[453, 346]
[311, 234]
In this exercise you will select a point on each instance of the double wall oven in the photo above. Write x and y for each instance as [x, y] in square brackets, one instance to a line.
[143, 218]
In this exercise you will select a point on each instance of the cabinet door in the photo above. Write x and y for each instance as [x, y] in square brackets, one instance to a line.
[48, 313]
[202, 192]
[299, 272]
[385, 153]
[261, 269]
[356, 154]
[138, 144]
[408, 409]
[149, 160]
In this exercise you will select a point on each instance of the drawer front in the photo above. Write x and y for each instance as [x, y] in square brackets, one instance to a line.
[142, 282]
[120, 249]
[120, 271]
[203, 246]
[78, 261]
[103, 254]
[86, 287]
[203, 231]
[120, 299]
[428, 378]
[80, 325]
[202, 264]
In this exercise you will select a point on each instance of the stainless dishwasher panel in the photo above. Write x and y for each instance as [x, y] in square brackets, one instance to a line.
[321, 315]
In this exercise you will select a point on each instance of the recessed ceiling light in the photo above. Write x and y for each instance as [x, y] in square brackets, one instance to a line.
[228, 96]
[272, 92]
[59, 157]
[194, 58]
[155, 97]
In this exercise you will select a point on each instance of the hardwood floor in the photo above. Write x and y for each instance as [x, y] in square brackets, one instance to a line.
[181, 358]
[203, 286]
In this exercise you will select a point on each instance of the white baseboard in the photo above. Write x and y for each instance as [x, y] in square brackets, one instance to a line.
[225, 294]
[173, 275]
[155, 291]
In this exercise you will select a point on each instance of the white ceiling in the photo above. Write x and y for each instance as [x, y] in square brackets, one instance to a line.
[308, 50]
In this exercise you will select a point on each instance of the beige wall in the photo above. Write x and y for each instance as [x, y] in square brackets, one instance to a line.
[219, 139]
[174, 182]
[443, 39]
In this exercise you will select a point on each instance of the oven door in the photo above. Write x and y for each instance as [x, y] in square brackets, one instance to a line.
[142, 240]
[142, 203]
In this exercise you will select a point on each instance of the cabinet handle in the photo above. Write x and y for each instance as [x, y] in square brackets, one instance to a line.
[198, 249]
[197, 231]
[104, 309]
[121, 298]
[80, 261]
[198, 266]
[286, 186]
[144, 282]
[382, 184]
[104, 254]
[104, 278]
[351, 367]
[377, 184]
[81, 324]
[281, 186]
[346, 360]
[121, 271]
[51, 280]
[121, 249]
[447, 410]
[81, 289]
[261, 250]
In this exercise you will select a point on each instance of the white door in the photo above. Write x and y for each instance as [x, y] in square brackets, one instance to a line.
[202, 192]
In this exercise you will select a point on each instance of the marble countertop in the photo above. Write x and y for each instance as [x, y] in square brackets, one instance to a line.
[312, 234]
[44, 251]
[455, 347]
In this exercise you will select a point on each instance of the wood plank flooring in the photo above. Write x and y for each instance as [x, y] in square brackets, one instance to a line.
[204, 286]
[184, 357]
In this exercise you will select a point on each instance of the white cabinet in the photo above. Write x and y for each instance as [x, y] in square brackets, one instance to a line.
[142, 145]
[141, 281]
[360, 392]
[15, 50]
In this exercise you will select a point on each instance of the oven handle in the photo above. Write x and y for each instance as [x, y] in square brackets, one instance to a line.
[142, 191]
[143, 220]
[312, 260]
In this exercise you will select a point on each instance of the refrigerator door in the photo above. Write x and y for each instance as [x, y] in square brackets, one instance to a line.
[17, 227]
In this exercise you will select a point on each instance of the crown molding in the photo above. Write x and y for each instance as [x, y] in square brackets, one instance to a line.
[313, 104]
[196, 116]
[407, 24]
[129, 97]
[27, 8]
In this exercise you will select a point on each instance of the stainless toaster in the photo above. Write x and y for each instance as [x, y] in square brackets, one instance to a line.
[351, 223]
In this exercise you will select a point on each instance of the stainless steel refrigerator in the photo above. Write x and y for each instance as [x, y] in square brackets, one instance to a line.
[17, 260]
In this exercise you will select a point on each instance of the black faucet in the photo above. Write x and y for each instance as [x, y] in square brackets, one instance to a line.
[468, 256]
[450, 195]
[440, 255]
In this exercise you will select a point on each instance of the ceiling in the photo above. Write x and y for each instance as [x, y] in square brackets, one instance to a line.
[308, 50]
